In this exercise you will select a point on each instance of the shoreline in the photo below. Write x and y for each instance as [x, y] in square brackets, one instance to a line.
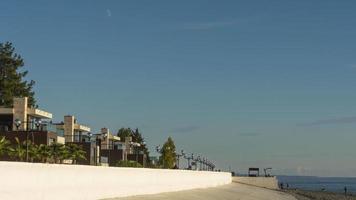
[318, 195]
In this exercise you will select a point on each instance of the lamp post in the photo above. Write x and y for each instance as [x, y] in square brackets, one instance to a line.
[182, 154]
[188, 159]
[205, 164]
[159, 150]
[200, 162]
[106, 136]
[38, 124]
[89, 134]
[135, 145]
[143, 144]
[17, 124]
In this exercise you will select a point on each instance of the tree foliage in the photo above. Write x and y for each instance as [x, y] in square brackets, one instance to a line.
[12, 83]
[4, 146]
[168, 154]
[127, 163]
[55, 153]
[75, 152]
[137, 137]
[18, 151]
[123, 133]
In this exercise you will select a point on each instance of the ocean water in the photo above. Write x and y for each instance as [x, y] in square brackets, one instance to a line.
[332, 184]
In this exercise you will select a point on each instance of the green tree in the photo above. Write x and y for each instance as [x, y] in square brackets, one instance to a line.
[12, 83]
[33, 152]
[4, 146]
[58, 152]
[124, 132]
[44, 153]
[18, 151]
[136, 137]
[168, 155]
[75, 152]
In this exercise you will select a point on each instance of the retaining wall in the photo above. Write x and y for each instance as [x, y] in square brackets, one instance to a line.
[265, 182]
[65, 182]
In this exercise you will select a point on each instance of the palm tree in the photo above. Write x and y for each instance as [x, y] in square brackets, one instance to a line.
[75, 152]
[64, 154]
[56, 152]
[33, 152]
[44, 153]
[18, 152]
[4, 146]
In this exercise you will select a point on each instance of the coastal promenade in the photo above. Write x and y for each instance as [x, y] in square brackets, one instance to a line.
[231, 191]
[37, 181]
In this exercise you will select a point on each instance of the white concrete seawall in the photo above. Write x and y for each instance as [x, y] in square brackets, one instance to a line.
[58, 182]
[264, 182]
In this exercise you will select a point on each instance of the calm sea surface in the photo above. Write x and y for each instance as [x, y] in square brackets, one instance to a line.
[332, 184]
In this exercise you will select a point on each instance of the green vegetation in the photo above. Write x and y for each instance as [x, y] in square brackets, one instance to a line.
[18, 151]
[136, 137]
[128, 163]
[55, 153]
[124, 132]
[168, 156]
[12, 83]
[75, 152]
[4, 146]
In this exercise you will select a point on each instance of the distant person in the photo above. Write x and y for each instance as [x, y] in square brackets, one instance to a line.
[281, 186]
[345, 189]
[287, 186]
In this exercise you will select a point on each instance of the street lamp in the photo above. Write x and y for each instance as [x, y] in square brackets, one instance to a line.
[159, 150]
[188, 159]
[178, 157]
[89, 136]
[106, 136]
[135, 145]
[38, 123]
[17, 123]
[200, 162]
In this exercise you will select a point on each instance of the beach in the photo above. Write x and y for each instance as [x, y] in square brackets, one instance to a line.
[319, 195]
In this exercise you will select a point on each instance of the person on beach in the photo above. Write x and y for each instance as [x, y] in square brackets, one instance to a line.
[281, 186]
[345, 189]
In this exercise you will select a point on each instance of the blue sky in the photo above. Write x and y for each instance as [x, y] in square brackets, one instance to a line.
[246, 83]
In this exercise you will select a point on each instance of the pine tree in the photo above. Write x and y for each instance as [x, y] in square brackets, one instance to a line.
[168, 155]
[12, 83]
[123, 133]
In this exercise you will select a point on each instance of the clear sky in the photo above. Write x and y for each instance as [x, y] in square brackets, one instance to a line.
[246, 83]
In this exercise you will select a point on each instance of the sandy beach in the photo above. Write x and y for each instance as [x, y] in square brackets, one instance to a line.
[319, 195]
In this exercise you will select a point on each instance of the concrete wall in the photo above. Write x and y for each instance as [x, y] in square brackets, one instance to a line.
[265, 182]
[58, 182]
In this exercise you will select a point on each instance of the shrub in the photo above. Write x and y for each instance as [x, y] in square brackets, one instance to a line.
[127, 163]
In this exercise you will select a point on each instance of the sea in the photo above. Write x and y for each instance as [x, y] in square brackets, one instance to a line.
[313, 183]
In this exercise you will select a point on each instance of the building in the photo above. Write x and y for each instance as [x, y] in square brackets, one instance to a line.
[24, 122]
[113, 149]
[26, 116]
[71, 130]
